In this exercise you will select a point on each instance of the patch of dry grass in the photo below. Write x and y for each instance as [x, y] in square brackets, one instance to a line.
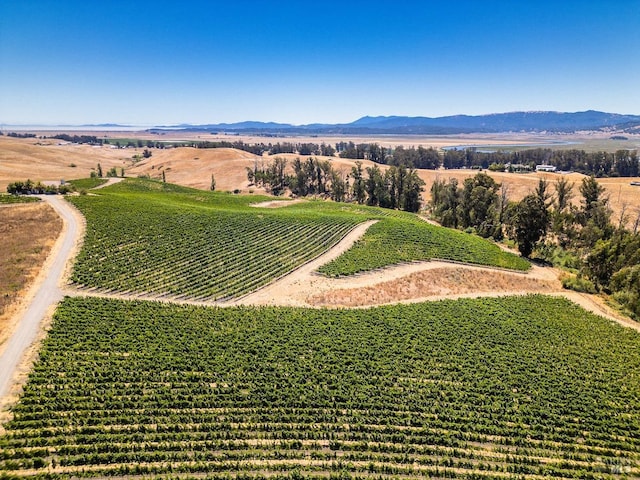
[434, 283]
[27, 233]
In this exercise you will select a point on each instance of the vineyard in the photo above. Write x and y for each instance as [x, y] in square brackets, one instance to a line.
[519, 387]
[164, 240]
[87, 183]
[180, 242]
[405, 240]
[10, 199]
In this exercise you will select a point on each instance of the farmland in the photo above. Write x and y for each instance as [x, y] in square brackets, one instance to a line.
[485, 388]
[27, 234]
[160, 239]
[402, 240]
[13, 199]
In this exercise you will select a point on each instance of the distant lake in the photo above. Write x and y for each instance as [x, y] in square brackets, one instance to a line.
[506, 148]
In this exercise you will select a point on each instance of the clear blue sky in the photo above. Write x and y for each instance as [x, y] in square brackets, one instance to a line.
[161, 62]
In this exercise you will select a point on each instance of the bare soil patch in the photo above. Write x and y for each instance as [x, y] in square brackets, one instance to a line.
[437, 282]
[277, 203]
[27, 234]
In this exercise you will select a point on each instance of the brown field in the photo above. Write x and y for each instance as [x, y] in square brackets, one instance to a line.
[193, 167]
[446, 281]
[27, 233]
[46, 160]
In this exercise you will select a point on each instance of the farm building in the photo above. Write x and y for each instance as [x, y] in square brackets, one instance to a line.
[545, 168]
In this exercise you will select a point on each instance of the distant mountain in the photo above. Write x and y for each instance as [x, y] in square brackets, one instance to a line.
[111, 125]
[492, 123]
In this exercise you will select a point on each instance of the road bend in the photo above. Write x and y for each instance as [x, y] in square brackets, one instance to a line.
[47, 294]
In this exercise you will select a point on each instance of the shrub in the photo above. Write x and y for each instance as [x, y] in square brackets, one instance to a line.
[578, 284]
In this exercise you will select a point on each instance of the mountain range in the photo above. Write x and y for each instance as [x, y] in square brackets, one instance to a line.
[539, 121]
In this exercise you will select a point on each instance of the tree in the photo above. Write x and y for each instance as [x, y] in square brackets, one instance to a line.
[146, 153]
[542, 192]
[595, 214]
[564, 192]
[338, 186]
[164, 178]
[358, 188]
[212, 186]
[478, 205]
[375, 186]
[412, 191]
[529, 221]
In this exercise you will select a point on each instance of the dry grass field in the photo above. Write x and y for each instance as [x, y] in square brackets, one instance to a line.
[438, 282]
[193, 167]
[53, 160]
[27, 233]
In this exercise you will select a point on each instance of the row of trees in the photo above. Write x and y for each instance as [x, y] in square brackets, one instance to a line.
[427, 158]
[546, 222]
[272, 148]
[622, 163]
[112, 172]
[398, 187]
[90, 139]
[29, 187]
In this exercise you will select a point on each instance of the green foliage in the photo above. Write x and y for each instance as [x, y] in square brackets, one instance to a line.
[626, 285]
[406, 239]
[87, 183]
[478, 204]
[358, 187]
[579, 284]
[162, 239]
[529, 220]
[6, 199]
[533, 385]
[445, 202]
[475, 206]
[158, 238]
[29, 187]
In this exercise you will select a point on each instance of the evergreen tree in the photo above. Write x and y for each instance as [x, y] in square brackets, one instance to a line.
[358, 188]
[529, 222]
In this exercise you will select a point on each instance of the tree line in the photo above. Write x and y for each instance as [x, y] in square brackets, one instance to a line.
[622, 163]
[398, 187]
[28, 187]
[582, 236]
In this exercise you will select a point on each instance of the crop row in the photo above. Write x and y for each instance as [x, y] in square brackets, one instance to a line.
[160, 239]
[399, 240]
[165, 246]
[482, 388]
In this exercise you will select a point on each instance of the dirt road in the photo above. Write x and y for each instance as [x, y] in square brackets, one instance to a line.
[44, 295]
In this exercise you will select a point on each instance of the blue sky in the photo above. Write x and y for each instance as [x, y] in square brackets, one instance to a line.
[157, 62]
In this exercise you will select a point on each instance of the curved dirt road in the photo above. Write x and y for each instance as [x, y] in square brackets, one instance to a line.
[45, 294]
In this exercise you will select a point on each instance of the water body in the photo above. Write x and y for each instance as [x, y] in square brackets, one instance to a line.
[506, 148]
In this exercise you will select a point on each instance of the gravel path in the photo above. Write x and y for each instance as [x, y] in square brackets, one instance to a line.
[44, 294]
